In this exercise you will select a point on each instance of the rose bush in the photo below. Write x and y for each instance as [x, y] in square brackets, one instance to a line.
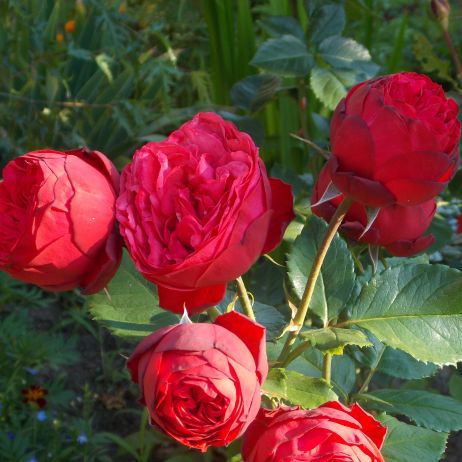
[57, 216]
[395, 140]
[201, 382]
[330, 432]
[399, 229]
[198, 209]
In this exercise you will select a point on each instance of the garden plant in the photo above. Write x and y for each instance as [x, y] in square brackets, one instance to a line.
[277, 264]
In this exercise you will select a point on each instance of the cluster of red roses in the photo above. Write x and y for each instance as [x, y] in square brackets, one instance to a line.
[195, 211]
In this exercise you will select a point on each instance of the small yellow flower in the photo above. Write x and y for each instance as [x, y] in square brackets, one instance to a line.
[123, 8]
[59, 37]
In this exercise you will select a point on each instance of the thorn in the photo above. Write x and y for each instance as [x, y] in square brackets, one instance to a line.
[372, 214]
[330, 193]
[185, 318]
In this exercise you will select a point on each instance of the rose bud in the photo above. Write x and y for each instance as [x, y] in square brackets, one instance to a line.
[57, 216]
[330, 432]
[399, 229]
[394, 140]
[198, 209]
[201, 382]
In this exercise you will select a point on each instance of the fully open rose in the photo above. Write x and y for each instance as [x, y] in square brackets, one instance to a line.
[198, 209]
[332, 432]
[57, 216]
[395, 140]
[399, 229]
[201, 382]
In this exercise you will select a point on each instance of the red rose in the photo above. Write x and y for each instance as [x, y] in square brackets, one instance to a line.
[399, 229]
[395, 140]
[330, 432]
[201, 382]
[198, 209]
[57, 215]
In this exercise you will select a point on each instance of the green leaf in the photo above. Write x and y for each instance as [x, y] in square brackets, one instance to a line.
[336, 280]
[327, 21]
[397, 363]
[297, 389]
[415, 308]
[253, 92]
[129, 306]
[334, 339]
[330, 85]
[282, 25]
[286, 55]
[407, 443]
[346, 53]
[426, 409]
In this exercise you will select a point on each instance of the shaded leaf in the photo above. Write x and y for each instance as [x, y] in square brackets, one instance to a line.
[129, 306]
[253, 92]
[286, 55]
[407, 443]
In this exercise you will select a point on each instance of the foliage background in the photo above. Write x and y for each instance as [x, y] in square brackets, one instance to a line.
[112, 75]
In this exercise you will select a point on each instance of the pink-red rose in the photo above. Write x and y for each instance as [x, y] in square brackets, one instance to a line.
[399, 229]
[332, 432]
[395, 140]
[198, 209]
[57, 216]
[201, 382]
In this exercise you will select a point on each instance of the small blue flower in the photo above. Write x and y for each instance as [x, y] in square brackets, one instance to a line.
[82, 438]
[11, 436]
[41, 416]
[32, 459]
[32, 371]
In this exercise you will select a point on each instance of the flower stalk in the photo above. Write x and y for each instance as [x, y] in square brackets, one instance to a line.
[302, 310]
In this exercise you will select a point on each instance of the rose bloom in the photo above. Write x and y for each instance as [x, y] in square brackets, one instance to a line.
[198, 209]
[57, 216]
[395, 140]
[399, 229]
[332, 432]
[201, 382]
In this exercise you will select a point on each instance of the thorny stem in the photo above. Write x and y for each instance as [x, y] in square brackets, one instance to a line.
[244, 298]
[302, 310]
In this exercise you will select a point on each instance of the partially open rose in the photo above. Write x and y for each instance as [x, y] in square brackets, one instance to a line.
[198, 209]
[331, 432]
[57, 216]
[395, 140]
[201, 382]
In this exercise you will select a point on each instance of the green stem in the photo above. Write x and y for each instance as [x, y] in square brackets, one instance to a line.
[213, 313]
[244, 298]
[302, 311]
[327, 367]
[372, 371]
